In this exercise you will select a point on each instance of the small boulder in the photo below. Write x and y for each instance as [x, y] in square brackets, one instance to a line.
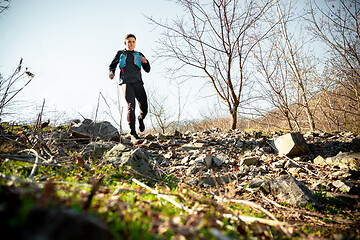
[220, 159]
[136, 160]
[214, 181]
[196, 167]
[346, 160]
[97, 149]
[343, 186]
[287, 189]
[291, 144]
[96, 130]
[250, 160]
[319, 160]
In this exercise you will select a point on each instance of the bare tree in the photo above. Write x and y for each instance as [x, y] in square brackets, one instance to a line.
[293, 59]
[337, 24]
[276, 88]
[215, 40]
[287, 67]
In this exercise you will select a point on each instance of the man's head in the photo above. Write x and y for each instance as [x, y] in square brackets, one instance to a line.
[130, 41]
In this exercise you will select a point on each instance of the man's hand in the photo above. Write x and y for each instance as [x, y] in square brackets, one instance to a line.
[111, 76]
[143, 59]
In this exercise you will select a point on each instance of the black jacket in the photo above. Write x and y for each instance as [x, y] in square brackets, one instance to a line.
[130, 73]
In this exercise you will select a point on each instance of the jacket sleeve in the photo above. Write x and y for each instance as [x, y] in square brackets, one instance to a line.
[114, 62]
[146, 66]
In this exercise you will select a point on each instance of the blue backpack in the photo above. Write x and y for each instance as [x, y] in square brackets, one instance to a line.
[137, 60]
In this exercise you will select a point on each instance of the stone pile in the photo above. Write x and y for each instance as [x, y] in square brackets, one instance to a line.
[287, 166]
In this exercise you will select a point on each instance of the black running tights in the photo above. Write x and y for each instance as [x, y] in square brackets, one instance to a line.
[134, 91]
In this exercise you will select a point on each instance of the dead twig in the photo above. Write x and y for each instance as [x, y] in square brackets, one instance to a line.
[172, 201]
[322, 216]
[256, 206]
[20, 158]
[33, 171]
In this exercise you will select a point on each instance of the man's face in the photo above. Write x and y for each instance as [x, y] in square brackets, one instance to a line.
[130, 43]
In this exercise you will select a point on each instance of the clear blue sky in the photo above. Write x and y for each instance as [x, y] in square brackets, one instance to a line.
[69, 45]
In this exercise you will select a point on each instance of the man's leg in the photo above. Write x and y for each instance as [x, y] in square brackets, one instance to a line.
[141, 97]
[129, 94]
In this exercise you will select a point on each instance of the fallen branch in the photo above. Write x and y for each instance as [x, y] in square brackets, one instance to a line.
[302, 167]
[332, 218]
[256, 206]
[33, 171]
[119, 190]
[19, 158]
[172, 201]
[249, 203]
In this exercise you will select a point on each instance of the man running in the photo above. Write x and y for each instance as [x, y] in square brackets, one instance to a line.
[130, 63]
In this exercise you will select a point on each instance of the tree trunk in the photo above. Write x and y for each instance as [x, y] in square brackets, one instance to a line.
[288, 120]
[233, 114]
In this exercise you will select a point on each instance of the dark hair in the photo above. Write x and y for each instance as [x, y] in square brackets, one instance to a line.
[129, 36]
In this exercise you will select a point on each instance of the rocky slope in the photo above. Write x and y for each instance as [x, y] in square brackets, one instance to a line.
[301, 178]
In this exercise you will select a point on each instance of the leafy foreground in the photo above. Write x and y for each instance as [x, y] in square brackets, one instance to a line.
[92, 199]
[129, 210]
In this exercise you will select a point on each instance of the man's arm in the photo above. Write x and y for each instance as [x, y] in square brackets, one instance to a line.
[113, 65]
[145, 63]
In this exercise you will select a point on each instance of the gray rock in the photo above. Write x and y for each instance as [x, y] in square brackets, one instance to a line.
[220, 159]
[251, 160]
[136, 160]
[93, 130]
[291, 144]
[214, 180]
[346, 160]
[139, 154]
[343, 186]
[287, 189]
[196, 167]
[61, 135]
[240, 143]
[97, 149]
[256, 182]
[118, 154]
